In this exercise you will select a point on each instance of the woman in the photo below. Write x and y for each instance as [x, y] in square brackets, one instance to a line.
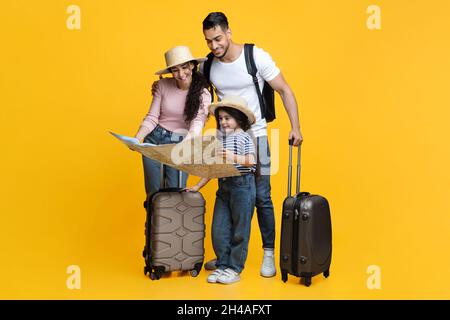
[179, 105]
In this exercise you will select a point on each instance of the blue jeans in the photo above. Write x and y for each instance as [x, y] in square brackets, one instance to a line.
[233, 211]
[264, 205]
[152, 168]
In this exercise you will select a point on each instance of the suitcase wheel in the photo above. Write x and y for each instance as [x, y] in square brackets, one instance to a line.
[155, 276]
[194, 273]
[284, 276]
[144, 252]
[157, 273]
[198, 266]
[145, 270]
[326, 274]
[308, 281]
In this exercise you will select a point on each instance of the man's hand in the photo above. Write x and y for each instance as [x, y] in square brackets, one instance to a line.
[154, 87]
[297, 136]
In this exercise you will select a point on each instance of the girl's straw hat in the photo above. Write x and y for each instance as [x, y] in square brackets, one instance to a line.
[235, 102]
[176, 56]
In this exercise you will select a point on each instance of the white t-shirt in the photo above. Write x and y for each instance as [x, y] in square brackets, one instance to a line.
[233, 79]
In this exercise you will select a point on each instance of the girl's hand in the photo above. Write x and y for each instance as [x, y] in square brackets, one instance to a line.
[192, 189]
[226, 155]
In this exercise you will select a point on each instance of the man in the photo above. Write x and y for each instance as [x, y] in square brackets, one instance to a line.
[229, 76]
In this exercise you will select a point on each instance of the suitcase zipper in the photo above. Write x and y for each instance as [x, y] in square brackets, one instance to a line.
[295, 238]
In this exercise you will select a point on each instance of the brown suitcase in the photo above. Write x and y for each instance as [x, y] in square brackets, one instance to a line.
[306, 242]
[174, 231]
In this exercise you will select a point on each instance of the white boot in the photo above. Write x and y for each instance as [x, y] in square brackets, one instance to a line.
[268, 264]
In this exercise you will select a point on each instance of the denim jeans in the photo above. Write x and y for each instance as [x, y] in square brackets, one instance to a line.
[152, 168]
[264, 205]
[233, 211]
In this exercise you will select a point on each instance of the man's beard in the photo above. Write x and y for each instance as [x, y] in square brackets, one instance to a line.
[224, 53]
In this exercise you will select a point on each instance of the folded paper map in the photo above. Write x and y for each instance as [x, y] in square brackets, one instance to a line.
[196, 156]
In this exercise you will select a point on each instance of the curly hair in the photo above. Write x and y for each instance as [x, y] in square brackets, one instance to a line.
[194, 96]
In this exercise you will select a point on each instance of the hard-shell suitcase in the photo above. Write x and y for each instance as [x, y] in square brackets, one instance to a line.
[174, 231]
[305, 248]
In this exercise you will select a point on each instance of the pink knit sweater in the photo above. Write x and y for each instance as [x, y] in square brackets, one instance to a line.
[167, 109]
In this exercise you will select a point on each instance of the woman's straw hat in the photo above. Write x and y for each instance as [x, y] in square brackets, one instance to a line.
[176, 56]
[235, 102]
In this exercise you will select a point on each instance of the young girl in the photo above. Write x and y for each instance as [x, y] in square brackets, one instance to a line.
[235, 198]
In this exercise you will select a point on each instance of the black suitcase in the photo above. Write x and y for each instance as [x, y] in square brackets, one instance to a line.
[305, 248]
[174, 231]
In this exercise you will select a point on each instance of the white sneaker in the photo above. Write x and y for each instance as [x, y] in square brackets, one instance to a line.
[268, 265]
[228, 276]
[212, 278]
[211, 264]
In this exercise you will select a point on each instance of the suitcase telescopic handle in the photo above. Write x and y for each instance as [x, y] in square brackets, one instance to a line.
[180, 178]
[297, 186]
[163, 180]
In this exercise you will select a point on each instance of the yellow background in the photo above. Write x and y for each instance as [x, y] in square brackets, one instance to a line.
[374, 107]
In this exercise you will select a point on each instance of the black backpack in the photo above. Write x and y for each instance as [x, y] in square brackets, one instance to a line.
[266, 99]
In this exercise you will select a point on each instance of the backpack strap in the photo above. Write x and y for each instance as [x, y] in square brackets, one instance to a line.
[252, 70]
[207, 72]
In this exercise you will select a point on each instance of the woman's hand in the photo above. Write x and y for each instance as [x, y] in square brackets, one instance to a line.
[134, 141]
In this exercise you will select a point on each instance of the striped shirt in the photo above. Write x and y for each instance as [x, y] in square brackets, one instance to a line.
[240, 143]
